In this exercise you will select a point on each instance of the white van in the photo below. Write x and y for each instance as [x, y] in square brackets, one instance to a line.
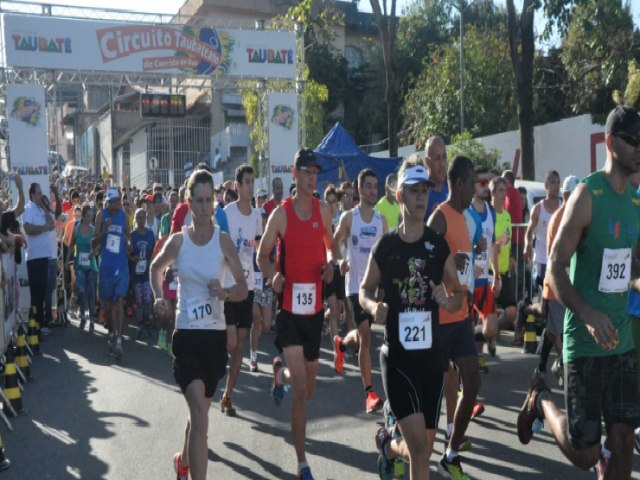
[535, 191]
[74, 171]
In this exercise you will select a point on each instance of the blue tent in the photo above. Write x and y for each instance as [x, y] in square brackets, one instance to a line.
[341, 160]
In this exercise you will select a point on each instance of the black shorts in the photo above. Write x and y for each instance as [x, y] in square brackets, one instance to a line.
[336, 287]
[199, 355]
[305, 330]
[507, 296]
[359, 315]
[239, 314]
[601, 387]
[457, 340]
[412, 387]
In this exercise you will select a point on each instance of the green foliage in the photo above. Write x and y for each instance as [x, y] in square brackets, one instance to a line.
[433, 105]
[632, 92]
[464, 144]
[316, 95]
[598, 46]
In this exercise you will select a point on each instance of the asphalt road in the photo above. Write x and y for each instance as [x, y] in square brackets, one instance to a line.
[92, 418]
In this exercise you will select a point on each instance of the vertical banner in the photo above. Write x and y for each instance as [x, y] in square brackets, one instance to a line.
[282, 118]
[28, 150]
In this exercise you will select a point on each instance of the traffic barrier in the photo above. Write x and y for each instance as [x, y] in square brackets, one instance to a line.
[530, 337]
[32, 335]
[11, 385]
[4, 461]
[22, 358]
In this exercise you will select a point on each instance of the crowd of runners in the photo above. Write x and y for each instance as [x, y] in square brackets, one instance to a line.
[204, 269]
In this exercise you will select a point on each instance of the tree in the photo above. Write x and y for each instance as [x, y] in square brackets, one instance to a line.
[632, 92]
[521, 49]
[464, 144]
[432, 105]
[597, 47]
[387, 22]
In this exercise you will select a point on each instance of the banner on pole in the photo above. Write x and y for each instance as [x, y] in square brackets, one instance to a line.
[282, 118]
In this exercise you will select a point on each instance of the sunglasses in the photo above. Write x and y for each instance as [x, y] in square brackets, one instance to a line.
[633, 140]
[482, 183]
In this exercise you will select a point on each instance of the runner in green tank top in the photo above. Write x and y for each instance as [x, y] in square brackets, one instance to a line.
[597, 239]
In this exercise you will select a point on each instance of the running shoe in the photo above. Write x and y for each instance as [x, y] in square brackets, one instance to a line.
[373, 402]
[111, 343]
[382, 438]
[170, 349]
[491, 347]
[338, 354]
[91, 327]
[601, 467]
[304, 474]
[637, 440]
[538, 374]
[253, 365]
[277, 390]
[385, 468]
[83, 323]
[118, 351]
[478, 409]
[182, 473]
[226, 407]
[482, 364]
[530, 411]
[451, 469]
[162, 340]
[558, 371]
[465, 444]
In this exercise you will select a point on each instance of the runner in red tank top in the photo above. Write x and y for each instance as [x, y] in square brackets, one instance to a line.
[302, 227]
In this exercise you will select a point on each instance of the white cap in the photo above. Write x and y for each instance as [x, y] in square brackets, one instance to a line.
[113, 194]
[413, 175]
[570, 183]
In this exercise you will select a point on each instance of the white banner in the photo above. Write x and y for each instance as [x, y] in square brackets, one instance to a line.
[68, 44]
[282, 119]
[28, 150]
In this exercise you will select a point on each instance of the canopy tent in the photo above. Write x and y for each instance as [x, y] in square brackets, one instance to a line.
[341, 160]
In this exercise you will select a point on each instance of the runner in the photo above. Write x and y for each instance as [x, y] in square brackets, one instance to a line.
[387, 205]
[112, 234]
[302, 227]
[598, 233]
[140, 253]
[245, 228]
[435, 159]
[199, 342]
[538, 224]
[361, 227]
[456, 330]
[409, 264]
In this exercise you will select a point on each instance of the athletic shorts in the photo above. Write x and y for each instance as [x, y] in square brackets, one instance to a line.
[457, 340]
[601, 387]
[635, 331]
[483, 301]
[555, 317]
[359, 315]
[336, 287]
[263, 297]
[507, 297]
[199, 355]
[412, 387]
[304, 330]
[113, 285]
[240, 314]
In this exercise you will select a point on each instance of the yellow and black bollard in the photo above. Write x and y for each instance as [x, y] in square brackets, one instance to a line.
[22, 359]
[11, 385]
[32, 335]
[4, 461]
[530, 337]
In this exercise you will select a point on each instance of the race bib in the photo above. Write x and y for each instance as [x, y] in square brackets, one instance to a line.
[414, 330]
[200, 310]
[141, 267]
[481, 259]
[113, 243]
[84, 260]
[304, 298]
[246, 267]
[464, 273]
[257, 280]
[616, 270]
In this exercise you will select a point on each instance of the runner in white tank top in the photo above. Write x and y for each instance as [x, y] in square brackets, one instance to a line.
[201, 255]
[361, 227]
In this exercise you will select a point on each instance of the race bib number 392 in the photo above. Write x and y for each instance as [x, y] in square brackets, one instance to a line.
[615, 272]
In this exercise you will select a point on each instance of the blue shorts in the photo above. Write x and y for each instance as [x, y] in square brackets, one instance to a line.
[457, 340]
[113, 283]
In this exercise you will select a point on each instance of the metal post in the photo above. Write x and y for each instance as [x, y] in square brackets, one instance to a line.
[461, 68]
